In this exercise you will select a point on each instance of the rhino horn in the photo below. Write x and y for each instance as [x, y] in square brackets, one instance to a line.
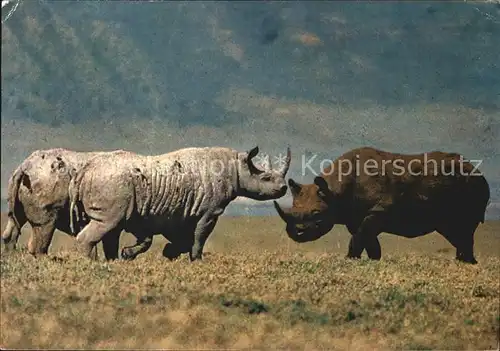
[284, 213]
[286, 165]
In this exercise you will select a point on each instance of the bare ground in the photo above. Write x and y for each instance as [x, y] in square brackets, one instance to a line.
[256, 289]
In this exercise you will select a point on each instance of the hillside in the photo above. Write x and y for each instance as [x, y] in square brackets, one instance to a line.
[321, 76]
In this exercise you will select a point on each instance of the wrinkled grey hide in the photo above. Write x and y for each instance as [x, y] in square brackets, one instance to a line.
[180, 194]
[38, 194]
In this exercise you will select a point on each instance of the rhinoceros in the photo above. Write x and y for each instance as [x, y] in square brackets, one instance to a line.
[371, 191]
[180, 194]
[38, 194]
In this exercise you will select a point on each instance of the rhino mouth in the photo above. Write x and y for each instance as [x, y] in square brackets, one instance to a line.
[301, 232]
[270, 196]
[304, 235]
[282, 191]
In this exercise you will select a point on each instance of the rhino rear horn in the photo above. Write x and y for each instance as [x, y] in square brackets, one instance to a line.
[288, 160]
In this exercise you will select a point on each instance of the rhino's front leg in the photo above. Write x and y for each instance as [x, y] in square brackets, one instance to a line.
[356, 247]
[41, 237]
[203, 229]
[365, 237]
[173, 250]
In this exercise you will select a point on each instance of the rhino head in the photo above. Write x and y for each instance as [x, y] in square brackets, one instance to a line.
[263, 183]
[311, 215]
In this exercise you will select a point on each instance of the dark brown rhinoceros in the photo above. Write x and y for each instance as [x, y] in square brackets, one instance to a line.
[372, 191]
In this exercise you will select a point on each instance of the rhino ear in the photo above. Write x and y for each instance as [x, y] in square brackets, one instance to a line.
[294, 186]
[251, 154]
[58, 165]
[323, 189]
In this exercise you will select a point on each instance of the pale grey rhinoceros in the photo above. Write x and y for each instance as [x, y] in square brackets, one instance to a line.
[38, 194]
[180, 194]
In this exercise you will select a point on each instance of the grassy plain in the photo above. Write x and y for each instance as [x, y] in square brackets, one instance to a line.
[256, 289]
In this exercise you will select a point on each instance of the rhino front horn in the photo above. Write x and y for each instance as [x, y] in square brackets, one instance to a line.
[284, 215]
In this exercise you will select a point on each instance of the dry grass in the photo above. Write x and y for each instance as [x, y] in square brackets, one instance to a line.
[256, 289]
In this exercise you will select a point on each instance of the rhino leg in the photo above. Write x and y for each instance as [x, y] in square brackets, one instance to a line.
[93, 254]
[92, 233]
[462, 238]
[41, 237]
[356, 247]
[12, 232]
[373, 249]
[172, 251]
[203, 229]
[366, 237]
[142, 245]
[110, 245]
[465, 248]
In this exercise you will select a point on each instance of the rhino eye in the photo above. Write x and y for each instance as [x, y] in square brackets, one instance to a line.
[266, 177]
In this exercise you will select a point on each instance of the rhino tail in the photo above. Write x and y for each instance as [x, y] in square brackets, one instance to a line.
[479, 189]
[73, 193]
[486, 198]
[13, 192]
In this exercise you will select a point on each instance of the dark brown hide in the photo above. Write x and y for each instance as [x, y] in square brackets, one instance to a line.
[373, 191]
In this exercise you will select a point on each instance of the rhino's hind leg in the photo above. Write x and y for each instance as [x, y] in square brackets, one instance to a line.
[462, 238]
[110, 244]
[142, 245]
[40, 238]
[92, 233]
[465, 244]
[12, 232]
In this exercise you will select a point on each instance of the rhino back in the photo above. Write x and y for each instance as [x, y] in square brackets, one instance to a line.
[428, 180]
[191, 181]
[173, 186]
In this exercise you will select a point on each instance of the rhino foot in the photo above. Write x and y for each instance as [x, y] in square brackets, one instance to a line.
[466, 259]
[128, 254]
[9, 246]
[172, 251]
[350, 256]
